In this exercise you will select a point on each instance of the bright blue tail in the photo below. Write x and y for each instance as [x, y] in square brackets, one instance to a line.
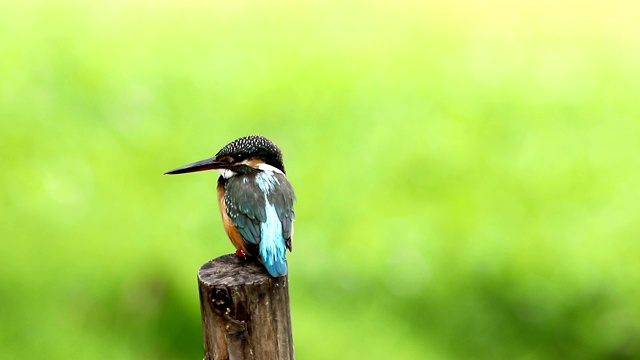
[272, 244]
[273, 259]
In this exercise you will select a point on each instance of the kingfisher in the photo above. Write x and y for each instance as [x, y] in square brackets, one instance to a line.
[255, 199]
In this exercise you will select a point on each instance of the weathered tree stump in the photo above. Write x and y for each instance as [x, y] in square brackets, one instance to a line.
[245, 312]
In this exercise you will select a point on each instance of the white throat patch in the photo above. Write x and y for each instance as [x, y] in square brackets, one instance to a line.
[226, 173]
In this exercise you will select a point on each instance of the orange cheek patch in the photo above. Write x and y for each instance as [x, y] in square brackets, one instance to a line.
[254, 163]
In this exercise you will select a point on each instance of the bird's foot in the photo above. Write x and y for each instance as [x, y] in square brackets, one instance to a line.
[242, 256]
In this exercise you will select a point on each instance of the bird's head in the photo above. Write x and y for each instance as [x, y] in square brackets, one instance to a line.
[241, 156]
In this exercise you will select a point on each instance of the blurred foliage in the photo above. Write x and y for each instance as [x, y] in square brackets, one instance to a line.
[467, 173]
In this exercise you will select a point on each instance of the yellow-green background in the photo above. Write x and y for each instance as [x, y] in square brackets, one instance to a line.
[467, 173]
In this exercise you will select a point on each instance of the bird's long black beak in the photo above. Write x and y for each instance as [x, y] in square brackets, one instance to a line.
[206, 164]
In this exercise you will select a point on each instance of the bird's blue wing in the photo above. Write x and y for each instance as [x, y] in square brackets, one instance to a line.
[282, 197]
[245, 207]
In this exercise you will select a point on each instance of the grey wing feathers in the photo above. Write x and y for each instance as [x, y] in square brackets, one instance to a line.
[283, 198]
[246, 211]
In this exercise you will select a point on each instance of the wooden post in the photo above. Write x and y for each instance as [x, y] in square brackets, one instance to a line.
[245, 312]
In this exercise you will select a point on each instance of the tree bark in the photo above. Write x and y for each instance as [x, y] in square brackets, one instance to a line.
[245, 312]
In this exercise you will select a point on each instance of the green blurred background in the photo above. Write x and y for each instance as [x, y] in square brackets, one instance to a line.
[467, 173]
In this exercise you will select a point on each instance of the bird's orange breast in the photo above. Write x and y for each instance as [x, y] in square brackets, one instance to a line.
[232, 231]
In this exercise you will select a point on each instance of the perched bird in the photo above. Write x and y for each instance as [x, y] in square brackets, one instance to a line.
[255, 198]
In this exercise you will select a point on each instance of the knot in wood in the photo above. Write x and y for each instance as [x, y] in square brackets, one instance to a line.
[221, 299]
